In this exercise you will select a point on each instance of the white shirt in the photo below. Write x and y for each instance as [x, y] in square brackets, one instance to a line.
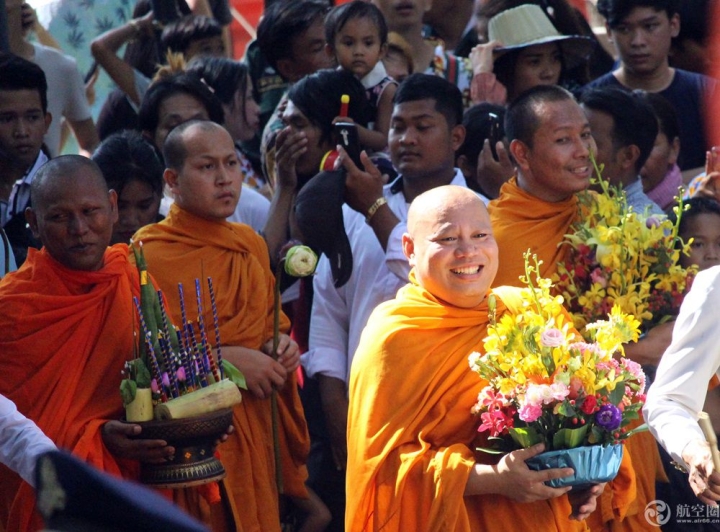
[339, 314]
[66, 91]
[678, 393]
[21, 441]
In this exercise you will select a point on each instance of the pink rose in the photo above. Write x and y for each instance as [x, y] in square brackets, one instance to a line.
[529, 412]
[552, 338]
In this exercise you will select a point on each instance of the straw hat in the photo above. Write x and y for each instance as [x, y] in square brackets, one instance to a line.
[527, 25]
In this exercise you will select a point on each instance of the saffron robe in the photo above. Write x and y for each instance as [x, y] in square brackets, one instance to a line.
[410, 427]
[66, 337]
[185, 247]
[521, 221]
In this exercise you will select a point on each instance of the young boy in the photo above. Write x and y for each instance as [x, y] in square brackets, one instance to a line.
[642, 31]
[24, 121]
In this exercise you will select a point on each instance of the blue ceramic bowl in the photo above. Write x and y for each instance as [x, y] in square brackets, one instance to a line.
[593, 464]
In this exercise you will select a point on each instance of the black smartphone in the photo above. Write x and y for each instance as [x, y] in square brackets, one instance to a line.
[347, 136]
[494, 134]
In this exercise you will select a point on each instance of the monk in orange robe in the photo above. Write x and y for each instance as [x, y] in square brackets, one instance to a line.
[535, 211]
[195, 242]
[67, 322]
[410, 432]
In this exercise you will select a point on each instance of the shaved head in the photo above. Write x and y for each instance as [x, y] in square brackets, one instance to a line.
[72, 212]
[450, 245]
[57, 172]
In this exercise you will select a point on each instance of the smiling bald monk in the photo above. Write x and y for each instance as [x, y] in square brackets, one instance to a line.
[411, 464]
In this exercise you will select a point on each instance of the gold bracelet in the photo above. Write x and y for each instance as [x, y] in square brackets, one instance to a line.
[374, 207]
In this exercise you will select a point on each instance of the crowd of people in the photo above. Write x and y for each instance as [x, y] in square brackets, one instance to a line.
[420, 147]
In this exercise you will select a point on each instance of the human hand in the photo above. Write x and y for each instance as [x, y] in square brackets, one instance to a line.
[289, 147]
[520, 483]
[28, 18]
[288, 352]
[118, 438]
[362, 188]
[491, 174]
[704, 479]
[584, 502]
[262, 373]
[481, 56]
[709, 186]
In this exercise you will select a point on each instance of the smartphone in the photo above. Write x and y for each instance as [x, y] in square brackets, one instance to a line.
[347, 136]
[494, 134]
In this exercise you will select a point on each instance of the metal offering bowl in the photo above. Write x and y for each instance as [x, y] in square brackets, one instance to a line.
[194, 440]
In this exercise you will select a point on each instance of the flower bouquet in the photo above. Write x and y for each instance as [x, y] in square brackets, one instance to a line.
[621, 257]
[546, 384]
[176, 390]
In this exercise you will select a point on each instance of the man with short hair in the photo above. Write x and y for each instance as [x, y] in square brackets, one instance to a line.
[411, 441]
[624, 128]
[551, 142]
[425, 131]
[196, 242]
[66, 96]
[291, 41]
[24, 121]
[67, 322]
[642, 32]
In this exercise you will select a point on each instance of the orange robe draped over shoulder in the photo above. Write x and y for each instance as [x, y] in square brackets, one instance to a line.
[184, 247]
[66, 335]
[410, 429]
[521, 221]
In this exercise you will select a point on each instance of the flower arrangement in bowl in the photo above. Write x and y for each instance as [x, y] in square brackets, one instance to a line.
[621, 257]
[544, 383]
[178, 387]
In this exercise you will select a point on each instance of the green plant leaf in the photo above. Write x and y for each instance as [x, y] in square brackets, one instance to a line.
[128, 389]
[569, 438]
[616, 396]
[234, 374]
[525, 436]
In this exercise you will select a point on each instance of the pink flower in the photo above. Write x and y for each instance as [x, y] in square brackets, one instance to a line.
[635, 370]
[154, 386]
[181, 374]
[559, 391]
[529, 412]
[166, 379]
[496, 422]
[652, 221]
[551, 338]
[596, 276]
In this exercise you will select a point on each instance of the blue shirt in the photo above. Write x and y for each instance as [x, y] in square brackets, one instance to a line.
[685, 93]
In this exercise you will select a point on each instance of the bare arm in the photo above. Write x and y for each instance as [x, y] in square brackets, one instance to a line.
[86, 135]
[104, 49]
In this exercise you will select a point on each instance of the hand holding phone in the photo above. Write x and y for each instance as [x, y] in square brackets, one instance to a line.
[347, 136]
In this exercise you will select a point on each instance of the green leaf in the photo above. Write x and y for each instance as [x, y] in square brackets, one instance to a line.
[489, 450]
[525, 436]
[566, 409]
[641, 428]
[617, 394]
[128, 389]
[234, 374]
[569, 438]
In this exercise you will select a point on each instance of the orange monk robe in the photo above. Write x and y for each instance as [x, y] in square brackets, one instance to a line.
[410, 429]
[66, 337]
[521, 221]
[184, 247]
